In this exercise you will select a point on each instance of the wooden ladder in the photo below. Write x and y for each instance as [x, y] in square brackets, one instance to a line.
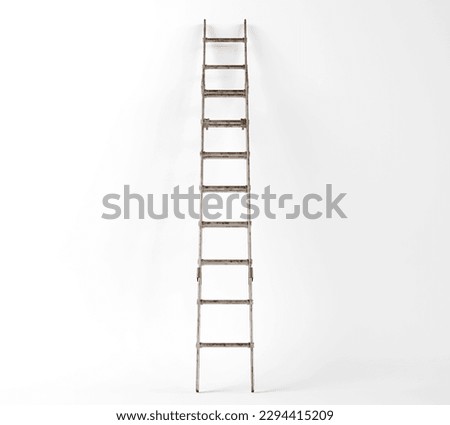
[242, 123]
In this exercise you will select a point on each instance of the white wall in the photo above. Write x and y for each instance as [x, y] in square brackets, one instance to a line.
[98, 94]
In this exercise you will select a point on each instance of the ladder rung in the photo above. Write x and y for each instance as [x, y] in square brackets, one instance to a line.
[224, 188]
[225, 345]
[224, 66]
[224, 123]
[224, 40]
[224, 262]
[246, 302]
[224, 93]
[224, 155]
[225, 223]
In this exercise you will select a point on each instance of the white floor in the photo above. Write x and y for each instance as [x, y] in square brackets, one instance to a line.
[340, 382]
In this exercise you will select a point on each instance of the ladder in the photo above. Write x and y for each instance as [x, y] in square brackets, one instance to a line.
[242, 123]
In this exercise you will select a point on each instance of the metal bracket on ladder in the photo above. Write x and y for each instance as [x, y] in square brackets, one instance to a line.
[206, 124]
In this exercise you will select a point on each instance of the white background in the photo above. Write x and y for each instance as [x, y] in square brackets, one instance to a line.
[98, 94]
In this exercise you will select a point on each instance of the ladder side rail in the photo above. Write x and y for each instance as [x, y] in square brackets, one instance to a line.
[249, 228]
[200, 244]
